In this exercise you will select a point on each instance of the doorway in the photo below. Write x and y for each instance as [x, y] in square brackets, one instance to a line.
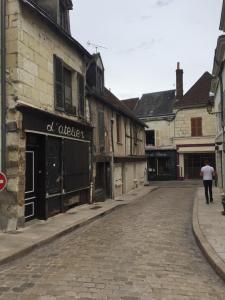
[102, 181]
[34, 178]
[193, 163]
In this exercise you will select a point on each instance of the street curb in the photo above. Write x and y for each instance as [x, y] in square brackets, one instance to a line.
[212, 257]
[46, 241]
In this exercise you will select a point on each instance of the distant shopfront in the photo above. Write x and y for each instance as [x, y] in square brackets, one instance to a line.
[161, 164]
[58, 163]
[190, 159]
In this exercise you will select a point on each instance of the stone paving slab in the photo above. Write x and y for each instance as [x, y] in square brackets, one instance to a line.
[143, 251]
[209, 229]
[39, 232]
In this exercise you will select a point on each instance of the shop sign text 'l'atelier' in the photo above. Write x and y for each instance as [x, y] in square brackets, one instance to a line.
[65, 130]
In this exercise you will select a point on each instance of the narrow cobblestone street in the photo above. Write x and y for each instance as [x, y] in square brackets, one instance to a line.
[142, 251]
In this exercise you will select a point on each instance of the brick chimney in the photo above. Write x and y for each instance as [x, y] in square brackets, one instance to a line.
[179, 82]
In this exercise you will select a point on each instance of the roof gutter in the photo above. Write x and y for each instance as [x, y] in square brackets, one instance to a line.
[129, 115]
[3, 90]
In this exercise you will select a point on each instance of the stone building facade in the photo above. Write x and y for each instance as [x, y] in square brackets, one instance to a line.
[218, 88]
[180, 133]
[46, 124]
[194, 129]
[119, 162]
[51, 114]
[156, 110]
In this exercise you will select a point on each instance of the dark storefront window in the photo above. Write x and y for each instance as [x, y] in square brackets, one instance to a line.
[162, 165]
[193, 163]
[150, 137]
[53, 165]
[57, 167]
[76, 165]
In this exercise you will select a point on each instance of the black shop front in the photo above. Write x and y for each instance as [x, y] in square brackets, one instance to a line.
[161, 165]
[58, 163]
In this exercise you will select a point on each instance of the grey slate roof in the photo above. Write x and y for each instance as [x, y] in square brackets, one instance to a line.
[155, 104]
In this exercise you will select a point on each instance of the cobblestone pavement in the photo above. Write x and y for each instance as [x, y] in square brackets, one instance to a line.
[142, 251]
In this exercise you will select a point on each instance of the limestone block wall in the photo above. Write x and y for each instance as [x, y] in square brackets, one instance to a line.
[141, 169]
[30, 46]
[118, 188]
[128, 176]
[30, 49]
[164, 132]
[183, 122]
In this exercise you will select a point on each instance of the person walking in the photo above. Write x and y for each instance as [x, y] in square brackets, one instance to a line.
[207, 173]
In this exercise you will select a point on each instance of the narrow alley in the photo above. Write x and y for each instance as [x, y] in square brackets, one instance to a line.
[144, 250]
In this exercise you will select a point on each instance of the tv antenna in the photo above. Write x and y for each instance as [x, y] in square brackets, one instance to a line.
[96, 46]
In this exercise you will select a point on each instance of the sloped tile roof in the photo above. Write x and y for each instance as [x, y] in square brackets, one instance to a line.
[108, 98]
[155, 104]
[130, 103]
[198, 94]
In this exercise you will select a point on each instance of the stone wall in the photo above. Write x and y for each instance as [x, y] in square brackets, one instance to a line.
[30, 46]
[164, 132]
[128, 176]
[183, 122]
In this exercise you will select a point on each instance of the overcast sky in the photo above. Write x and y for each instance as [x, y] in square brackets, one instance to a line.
[146, 38]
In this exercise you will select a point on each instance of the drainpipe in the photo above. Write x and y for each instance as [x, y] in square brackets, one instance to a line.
[3, 89]
[112, 160]
[220, 75]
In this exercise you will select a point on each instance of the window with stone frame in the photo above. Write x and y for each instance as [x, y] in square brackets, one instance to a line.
[196, 126]
[69, 88]
[150, 137]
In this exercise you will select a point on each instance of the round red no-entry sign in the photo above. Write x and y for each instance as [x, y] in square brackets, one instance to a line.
[3, 181]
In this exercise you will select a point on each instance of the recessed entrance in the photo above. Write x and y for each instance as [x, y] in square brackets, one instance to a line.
[193, 163]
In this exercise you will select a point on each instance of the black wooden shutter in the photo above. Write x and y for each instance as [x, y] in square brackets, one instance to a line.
[59, 87]
[68, 90]
[80, 79]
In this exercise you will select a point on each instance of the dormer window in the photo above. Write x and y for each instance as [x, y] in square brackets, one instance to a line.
[100, 80]
[95, 74]
[58, 10]
[63, 16]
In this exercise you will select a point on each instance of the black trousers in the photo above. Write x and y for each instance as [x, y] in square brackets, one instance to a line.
[208, 190]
